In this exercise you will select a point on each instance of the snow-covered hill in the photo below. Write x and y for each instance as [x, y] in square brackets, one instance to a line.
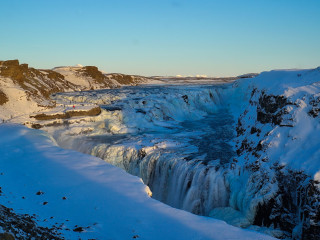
[25, 90]
[91, 78]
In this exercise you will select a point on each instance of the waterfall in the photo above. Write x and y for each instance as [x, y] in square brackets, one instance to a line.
[180, 183]
[173, 138]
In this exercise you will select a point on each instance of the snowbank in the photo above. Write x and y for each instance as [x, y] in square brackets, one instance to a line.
[82, 191]
[274, 180]
[294, 141]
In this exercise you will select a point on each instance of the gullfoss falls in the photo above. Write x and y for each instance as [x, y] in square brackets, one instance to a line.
[211, 149]
[176, 138]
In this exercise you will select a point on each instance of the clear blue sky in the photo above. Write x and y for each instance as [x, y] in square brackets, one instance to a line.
[148, 37]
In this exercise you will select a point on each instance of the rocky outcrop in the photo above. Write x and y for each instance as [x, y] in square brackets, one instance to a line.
[286, 199]
[38, 84]
[24, 90]
[3, 98]
[91, 78]
[124, 79]
[24, 226]
[97, 77]
[68, 114]
[271, 109]
[315, 110]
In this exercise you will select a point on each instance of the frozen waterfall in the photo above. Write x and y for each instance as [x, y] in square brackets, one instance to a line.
[176, 138]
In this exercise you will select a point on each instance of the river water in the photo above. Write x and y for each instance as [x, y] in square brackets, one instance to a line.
[176, 138]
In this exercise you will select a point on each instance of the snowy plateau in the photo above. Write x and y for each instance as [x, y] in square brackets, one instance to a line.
[90, 155]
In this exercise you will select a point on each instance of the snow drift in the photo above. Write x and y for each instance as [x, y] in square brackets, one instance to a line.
[87, 198]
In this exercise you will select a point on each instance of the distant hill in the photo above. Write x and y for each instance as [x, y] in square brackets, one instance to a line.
[25, 90]
[91, 78]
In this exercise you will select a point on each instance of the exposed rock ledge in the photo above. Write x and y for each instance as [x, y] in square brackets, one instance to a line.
[68, 114]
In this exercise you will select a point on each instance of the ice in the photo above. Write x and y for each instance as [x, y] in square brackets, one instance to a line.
[180, 140]
[154, 132]
[104, 200]
[230, 215]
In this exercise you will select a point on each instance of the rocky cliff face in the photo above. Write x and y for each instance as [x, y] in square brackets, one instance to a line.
[91, 78]
[124, 79]
[277, 157]
[97, 78]
[37, 84]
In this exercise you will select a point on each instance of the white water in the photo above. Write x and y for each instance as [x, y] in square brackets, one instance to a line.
[175, 138]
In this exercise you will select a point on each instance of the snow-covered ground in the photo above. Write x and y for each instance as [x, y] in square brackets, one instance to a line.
[70, 74]
[168, 136]
[275, 177]
[294, 141]
[19, 104]
[247, 153]
[73, 190]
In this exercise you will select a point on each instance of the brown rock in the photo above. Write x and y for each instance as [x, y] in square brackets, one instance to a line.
[6, 236]
[3, 98]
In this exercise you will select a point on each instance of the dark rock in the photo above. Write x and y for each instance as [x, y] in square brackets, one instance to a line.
[185, 99]
[6, 236]
[3, 98]
[23, 226]
[94, 73]
[36, 126]
[270, 109]
[10, 63]
[141, 111]
[296, 202]
[142, 153]
[78, 229]
[122, 78]
[271, 103]
[73, 113]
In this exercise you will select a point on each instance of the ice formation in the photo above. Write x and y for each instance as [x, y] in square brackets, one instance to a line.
[181, 141]
[163, 135]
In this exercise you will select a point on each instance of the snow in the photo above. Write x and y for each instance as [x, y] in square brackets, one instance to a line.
[293, 145]
[112, 203]
[149, 120]
[70, 74]
[19, 106]
[297, 146]
[160, 112]
[63, 108]
[182, 80]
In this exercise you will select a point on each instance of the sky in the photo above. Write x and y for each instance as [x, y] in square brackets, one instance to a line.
[149, 37]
